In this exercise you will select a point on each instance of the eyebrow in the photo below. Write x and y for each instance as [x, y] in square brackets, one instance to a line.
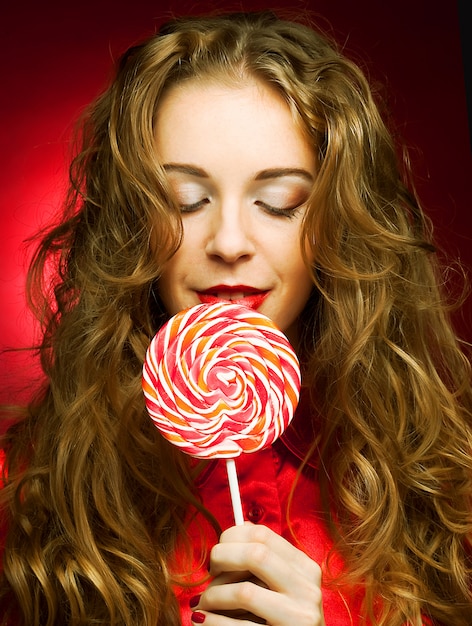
[280, 172]
[284, 171]
[183, 168]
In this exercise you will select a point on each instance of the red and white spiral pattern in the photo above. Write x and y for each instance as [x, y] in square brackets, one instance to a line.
[221, 379]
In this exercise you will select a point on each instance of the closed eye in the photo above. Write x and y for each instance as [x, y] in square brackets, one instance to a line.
[281, 196]
[194, 206]
[289, 212]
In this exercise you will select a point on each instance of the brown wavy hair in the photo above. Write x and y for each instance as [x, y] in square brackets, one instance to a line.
[94, 499]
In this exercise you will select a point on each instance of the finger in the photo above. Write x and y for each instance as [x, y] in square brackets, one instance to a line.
[215, 619]
[269, 606]
[281, 569]
[286, 592]
[255, 534]
[230, 577]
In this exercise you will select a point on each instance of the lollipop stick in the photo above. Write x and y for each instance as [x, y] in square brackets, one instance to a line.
[234, 489]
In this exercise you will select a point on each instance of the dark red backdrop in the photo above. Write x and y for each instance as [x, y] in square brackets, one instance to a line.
[56, 56]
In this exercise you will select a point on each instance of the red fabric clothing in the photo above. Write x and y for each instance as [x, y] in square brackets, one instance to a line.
[265, 480]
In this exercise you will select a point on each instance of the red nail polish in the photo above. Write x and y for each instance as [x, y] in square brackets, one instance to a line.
[194, 601]
[198, 617]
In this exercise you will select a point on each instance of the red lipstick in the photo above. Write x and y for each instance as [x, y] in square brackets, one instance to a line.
[239, 294]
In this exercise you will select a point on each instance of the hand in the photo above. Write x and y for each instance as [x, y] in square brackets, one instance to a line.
[259, 577]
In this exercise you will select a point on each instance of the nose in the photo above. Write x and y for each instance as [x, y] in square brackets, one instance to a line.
[230, 235]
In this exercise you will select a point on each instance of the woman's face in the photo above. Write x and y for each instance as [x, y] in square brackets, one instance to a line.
[242, 172]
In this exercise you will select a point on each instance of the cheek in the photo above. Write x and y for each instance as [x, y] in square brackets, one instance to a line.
[168, 283]
[301, 253]
[302, 275]
[179, 262]
[191, 243]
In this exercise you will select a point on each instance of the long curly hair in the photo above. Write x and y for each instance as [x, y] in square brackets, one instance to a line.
[94, 499]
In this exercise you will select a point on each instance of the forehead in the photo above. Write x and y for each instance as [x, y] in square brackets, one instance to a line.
[211, 119]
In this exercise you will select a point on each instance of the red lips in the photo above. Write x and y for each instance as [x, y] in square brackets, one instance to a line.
[240, 294]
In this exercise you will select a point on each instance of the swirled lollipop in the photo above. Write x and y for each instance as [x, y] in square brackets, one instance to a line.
[221, 379]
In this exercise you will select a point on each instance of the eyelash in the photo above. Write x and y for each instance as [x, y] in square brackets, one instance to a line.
[288, 212]
[190, 208]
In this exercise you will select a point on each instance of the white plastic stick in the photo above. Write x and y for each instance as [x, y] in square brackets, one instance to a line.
[235, 494]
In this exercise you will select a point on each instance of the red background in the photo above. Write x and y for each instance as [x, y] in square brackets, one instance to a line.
[56, 56]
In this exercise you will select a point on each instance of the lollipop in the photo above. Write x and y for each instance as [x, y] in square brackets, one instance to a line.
[219, 380]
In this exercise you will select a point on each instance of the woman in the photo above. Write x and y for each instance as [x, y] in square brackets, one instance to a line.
[242, 158]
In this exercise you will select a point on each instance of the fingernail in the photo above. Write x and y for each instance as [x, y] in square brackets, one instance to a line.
[194, 601]
[198, 617]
